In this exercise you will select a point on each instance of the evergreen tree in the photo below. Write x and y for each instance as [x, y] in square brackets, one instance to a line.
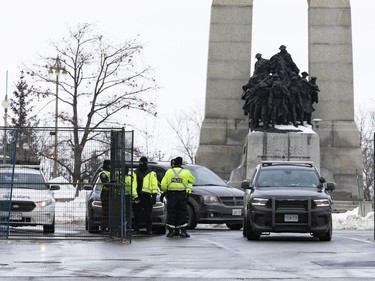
[21, 108]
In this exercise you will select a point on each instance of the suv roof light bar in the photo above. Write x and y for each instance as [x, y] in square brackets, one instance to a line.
[302, 163]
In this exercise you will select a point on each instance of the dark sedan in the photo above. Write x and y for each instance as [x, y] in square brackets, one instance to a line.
[212, 200]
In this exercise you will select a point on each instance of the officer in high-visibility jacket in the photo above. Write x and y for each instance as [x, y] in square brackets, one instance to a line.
[105, 180]
[130, 184]
[176, 185]
[147, 189]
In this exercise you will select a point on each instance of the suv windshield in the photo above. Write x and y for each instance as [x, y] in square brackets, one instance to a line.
[22, 180]
[287, 178]
[204, 176]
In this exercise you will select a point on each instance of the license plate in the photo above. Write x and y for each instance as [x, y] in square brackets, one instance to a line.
[291, 218]
[236, 212]
[15, 216]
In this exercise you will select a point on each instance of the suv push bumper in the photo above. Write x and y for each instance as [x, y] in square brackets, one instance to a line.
[317, 220]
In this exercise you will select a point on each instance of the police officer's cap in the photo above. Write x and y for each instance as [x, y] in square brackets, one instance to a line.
[143, 159]
[282, 47]
[258, 55]
[106, 164]
[178, 161]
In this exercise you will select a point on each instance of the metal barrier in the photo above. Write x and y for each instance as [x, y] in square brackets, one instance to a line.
[26, 210]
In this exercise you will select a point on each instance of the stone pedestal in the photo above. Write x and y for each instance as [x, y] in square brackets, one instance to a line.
[287, 146]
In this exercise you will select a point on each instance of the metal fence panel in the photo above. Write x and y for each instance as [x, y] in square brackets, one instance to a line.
[69, 187]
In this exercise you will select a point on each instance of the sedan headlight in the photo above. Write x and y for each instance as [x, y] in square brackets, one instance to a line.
[44, 203]
[210, 199]
[321, 202]
[259, 201]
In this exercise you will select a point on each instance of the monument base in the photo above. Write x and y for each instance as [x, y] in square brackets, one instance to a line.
[286, 143]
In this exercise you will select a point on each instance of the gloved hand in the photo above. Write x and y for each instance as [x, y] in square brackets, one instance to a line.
[162, 197]
[153, 199]
[136, 200]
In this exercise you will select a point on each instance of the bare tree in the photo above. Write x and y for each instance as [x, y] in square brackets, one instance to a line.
[104, 82]
[186, 127]
[365, 120]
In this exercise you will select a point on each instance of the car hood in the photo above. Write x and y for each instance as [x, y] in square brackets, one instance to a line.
[22, 194]
[217, 190]
[288, 192]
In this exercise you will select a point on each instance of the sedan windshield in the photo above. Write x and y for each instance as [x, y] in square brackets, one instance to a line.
[287, 178]
[204, 176]
[29, 181]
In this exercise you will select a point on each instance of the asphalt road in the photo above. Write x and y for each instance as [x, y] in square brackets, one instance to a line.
[209, 254]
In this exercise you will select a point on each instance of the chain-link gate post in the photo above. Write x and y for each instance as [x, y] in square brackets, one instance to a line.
[120, 199]
[8, 159]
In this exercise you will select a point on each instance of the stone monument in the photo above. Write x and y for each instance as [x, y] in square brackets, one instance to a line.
[229, 148]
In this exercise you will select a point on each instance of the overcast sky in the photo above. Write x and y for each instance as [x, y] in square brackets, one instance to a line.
[175, 34]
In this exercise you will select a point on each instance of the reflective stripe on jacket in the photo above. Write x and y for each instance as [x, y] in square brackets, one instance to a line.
[150, 183]
[177, 179]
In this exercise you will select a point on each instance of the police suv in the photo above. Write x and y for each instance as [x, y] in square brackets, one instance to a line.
[287, 196]
[25, 197]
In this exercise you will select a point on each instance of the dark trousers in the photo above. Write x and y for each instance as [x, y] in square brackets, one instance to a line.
[104, 196]
[144, 205]
[177, 213]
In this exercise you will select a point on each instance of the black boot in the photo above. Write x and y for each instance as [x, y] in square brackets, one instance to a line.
[171, 232]
[183, 233]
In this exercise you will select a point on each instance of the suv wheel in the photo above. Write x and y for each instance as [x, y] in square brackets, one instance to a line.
[328, 235]
[250, 233]
[192, 222]
[244, 226]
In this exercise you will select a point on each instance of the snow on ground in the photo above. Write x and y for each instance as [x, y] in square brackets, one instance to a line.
[74, 210]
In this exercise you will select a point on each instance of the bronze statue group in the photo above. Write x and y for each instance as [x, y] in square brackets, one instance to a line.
[277, 94]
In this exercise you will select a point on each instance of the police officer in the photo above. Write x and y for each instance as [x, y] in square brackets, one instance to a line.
[105, 180]
[147, 188]
[177, 183]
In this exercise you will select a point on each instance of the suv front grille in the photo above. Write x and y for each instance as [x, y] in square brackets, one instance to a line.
[17, 206]
[290, 204]
[232, 200]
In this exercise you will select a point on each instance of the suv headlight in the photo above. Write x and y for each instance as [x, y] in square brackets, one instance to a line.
[210, 199]
[44, 203]
[259, 201]
[321, 202]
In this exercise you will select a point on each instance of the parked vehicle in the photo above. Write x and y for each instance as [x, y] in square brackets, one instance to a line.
[286, 196]
[26, 198]
[212, 201]
[94, 209]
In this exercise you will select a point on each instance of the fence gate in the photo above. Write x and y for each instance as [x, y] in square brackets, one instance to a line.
[59, 206]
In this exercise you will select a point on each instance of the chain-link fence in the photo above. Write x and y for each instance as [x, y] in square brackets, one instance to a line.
[47, 180]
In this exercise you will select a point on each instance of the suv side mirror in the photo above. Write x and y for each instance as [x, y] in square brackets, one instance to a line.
[246, 184]
[330, 186]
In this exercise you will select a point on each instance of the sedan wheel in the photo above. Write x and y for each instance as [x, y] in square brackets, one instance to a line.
[192, 222]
